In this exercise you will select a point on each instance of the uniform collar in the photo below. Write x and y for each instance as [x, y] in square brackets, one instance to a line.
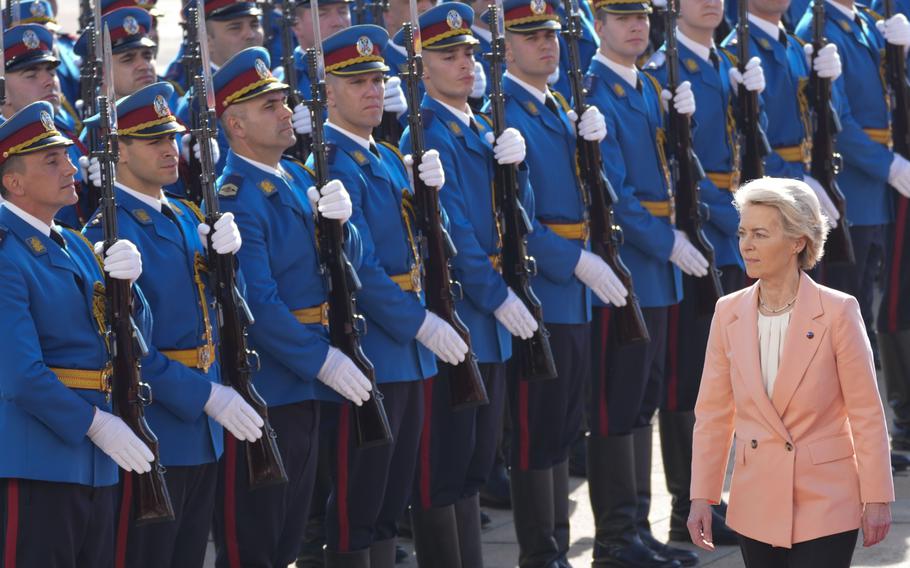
[259, 165]
[541, 96]
[360, 140]
[628, 74]
[464, 117]
[849, 12]
[483, 33]
[698, 49]
[35, 222]
[766, 26]
[155, 204]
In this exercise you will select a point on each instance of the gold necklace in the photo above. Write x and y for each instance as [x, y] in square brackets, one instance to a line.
[762, 304]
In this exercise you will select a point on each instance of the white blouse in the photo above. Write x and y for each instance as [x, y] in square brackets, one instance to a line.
[772, 330]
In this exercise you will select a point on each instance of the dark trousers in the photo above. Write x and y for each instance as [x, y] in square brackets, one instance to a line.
[687, 339]
[833, 551]
[626, 382]
[546, 414]
[458, 447]
[371, 487]
[56, 525]
[177, 544]
[264, 528]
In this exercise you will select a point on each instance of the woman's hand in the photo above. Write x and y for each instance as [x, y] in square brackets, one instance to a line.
[699, 524]
[876, 522]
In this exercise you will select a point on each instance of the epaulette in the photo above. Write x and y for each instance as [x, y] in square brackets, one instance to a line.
[230, 187]
[192, 207]
[657, 60]
[654, 82]
[393, 148]
[871, 13]
[733, 59]
[561, 100]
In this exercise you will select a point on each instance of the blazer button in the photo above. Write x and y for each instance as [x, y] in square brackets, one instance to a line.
[789, 446]
[754, 444]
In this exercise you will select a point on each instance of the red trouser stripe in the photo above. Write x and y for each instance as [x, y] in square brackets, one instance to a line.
[12, 523]
[123, 520]
[603, 411]
[344, 426]
[230, 501]
[426, 501]
[894, 280]
[673, 359]
[524, 457]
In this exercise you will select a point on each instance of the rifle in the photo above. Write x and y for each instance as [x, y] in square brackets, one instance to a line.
[686, 172]
[264, 464]
[194, 66]
[599, 196]
[85, 17]
[130, 394]
[465, 382]
[825, 159]
[301, 148]
[91, 74]
[371, 424]
[533, 356]
[753, 141]
[268, 32]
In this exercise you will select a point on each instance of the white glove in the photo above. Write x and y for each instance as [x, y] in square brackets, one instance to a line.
[827, 64]
[91, 170]
[431, 172]
[197, 151]
[683, 101]
[896, 30]
[600, 278]
[301, 120]
[515, 317]
[827, 205]
[343, 376]
[592, 127]
[394, 100]
[122, 260]
[899, 175]
[114, 437]
[510, 148]
[226, 239]
[439, 337]
[229, 409]
[753, 78]
[334, 203]
[686, 256]
[480, 82]
[659, 3]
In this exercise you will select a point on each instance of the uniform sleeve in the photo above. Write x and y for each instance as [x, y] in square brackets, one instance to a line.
[26, 381]
[721, 215]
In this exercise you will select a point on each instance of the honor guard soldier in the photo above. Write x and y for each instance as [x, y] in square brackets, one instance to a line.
[546, 414]
[61, 443]
[190, 403]
[462, 444]
[871, 170]
[372, 486]
[627, 380]
[287, 296]
[31, 65]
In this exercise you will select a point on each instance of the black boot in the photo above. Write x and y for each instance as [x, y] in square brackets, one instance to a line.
[532, 510]
[356, 559]
[436, 537]
[382, 554]
[467, 515]
[561, 524]
[611, 485]
[676, 449]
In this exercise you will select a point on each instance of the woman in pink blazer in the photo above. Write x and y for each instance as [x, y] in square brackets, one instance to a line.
[789, 375]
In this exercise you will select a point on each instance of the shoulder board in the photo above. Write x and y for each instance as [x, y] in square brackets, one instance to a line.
[485, 118]
[393, 148]
[870, 12]
[733, 59]
[192, 207]
[230, 187]
[561, 100]
[657, 60]
[654, 82]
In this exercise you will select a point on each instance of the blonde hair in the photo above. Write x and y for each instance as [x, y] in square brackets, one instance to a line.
[800, 212]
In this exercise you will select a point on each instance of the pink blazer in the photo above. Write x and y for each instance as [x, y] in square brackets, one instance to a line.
[807, 458]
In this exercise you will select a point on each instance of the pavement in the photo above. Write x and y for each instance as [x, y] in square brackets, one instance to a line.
[500, 547]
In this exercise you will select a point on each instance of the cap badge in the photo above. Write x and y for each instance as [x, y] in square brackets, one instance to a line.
[38, 10]
[364, 46]
[47, 120]
[30, 39]
[453, 18]
[161, 108]
[262, 69]
[538, 6]
[131, 25]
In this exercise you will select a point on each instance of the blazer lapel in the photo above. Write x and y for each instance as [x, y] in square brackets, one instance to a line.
[742, 336]
[804, 335]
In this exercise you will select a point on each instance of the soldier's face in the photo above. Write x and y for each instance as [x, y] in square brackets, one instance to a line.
[267, 122]
[535, 54]
[623, 35]
[229, 37]
[702, 14]
[765, 248]
[36, 83]
[153, 161]
[357, 99]
[768, 7]
[43, 183]
[449, 74]
[400, 12]
[332, 18]
[132, 70]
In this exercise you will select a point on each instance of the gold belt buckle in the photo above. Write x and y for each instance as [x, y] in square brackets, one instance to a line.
[204, 356]
[107, 381]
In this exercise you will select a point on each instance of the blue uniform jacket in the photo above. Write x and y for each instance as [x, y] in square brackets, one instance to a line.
[377, 186]
[281, 269]
[864, 177]
[713, 141]
[47, 301]
[468, 200]
[790, 18]
[187, 435]
[557, 199]
[632, 158]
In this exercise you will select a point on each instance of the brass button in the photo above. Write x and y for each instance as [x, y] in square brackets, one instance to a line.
[754, 444]
[789, 446]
